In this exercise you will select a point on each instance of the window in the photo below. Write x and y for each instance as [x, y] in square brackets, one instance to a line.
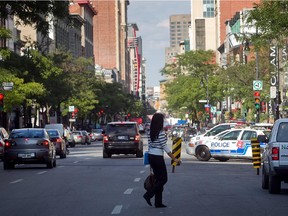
[233, 135]
[248, 135]
[282, 134]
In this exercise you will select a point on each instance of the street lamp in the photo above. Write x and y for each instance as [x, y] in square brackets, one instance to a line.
[207, 106]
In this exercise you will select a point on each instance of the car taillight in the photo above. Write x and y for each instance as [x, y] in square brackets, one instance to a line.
[79, 137]
[45, 143]
[58, 140]
[275, 153]
[137, 138]
[105, 139]
[7, 144]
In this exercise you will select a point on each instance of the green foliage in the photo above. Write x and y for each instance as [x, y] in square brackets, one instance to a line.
[36, 13]
[271, 20]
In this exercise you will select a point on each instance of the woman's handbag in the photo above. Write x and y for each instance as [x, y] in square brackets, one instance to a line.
[149, 181]
[146, 160]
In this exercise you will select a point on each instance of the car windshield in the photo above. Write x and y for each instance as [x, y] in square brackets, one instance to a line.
[27, 134]
[53, 133]
[120, 128]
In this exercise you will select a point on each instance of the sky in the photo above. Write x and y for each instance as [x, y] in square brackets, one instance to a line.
[152, 19]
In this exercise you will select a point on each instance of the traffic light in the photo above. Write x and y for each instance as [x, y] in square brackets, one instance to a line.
[257, 100]
[1, 102]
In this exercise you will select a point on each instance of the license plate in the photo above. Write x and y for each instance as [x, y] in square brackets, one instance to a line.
[29, 155]
[121, 137]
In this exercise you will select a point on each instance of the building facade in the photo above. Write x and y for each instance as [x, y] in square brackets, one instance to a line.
[110, 38]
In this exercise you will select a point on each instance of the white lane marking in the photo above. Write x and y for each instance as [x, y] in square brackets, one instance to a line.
[117, 209]
[76, 162]
[128, 191]
[142, 171]
[16, 181]
[40, 173]
[137, 179]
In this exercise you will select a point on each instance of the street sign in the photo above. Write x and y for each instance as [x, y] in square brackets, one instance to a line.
[257, 85]
[273, 92]
[71, 108]
[202, 101]
[7, 86]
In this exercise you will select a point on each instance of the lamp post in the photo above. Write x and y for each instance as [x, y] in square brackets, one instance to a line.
[207, 106]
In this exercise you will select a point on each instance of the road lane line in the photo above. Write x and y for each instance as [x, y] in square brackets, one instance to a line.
[142, 171]
[128, 191]
[117, 209]
[137, 179]
[76, 162]
[40, 173]
[16, 181]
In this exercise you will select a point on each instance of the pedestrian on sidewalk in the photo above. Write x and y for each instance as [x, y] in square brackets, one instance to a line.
[157, 145]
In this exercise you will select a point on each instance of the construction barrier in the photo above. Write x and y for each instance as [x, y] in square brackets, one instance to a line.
[176, 151]
[256, 154]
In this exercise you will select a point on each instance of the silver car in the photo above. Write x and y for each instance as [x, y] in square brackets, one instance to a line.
[79, 137]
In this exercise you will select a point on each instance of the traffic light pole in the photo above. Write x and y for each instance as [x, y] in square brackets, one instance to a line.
[257, 76]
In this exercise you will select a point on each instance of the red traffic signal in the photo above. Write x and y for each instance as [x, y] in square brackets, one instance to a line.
[1, 102]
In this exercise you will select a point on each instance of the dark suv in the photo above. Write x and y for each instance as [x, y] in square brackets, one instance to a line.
[122, 138]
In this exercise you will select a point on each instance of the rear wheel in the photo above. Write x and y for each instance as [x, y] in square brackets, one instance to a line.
[203, 153]
[54, 162]
[7, 165]
[274, 184]
[106, 155]
[50, 163]
[139, 154]
[265, 179]
[63, 153]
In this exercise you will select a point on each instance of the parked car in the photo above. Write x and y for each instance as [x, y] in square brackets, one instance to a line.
[58, 141]
[122, 138]
[3, 133]
[78, 137]
[1, 148]
[87, 137]
[96, 134]
[60, 127]
[236, 143]
[29, 146]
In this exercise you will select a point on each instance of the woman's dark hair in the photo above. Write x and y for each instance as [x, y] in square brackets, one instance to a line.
[156, 125]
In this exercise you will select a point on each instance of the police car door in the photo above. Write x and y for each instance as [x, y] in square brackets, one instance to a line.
[226, 146]
[244, 144]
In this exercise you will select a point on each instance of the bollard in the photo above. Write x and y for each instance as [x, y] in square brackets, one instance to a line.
[176, 151]
[255, 145]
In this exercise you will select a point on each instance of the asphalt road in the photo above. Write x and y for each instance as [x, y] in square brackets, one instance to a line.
[85, 184]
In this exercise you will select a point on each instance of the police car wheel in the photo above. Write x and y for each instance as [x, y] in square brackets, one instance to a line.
[203, 153]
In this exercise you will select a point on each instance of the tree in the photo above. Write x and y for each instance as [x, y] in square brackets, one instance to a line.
[191, 69]
[38, 13]
[270, 17]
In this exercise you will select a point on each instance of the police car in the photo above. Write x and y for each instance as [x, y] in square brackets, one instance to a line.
[233, 143]
[214, 131]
